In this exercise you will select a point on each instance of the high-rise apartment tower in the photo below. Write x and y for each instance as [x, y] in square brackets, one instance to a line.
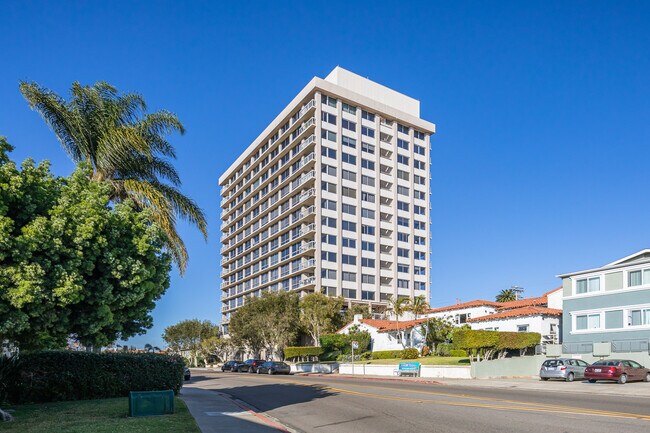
[333, 196]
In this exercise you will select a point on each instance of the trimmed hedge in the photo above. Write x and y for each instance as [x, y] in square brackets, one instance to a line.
[387, 354]
[302, 352]
[410, 353]
[490, 342]
[458, 353]
[59, 375]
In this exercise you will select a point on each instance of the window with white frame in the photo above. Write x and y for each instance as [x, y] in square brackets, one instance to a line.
[638, 278]
[587, 321]
[639, 317]
[588, 285]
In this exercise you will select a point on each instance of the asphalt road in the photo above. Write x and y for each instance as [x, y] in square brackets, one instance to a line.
[334, 404]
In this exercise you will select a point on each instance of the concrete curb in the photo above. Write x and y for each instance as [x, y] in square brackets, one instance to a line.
[389, 379]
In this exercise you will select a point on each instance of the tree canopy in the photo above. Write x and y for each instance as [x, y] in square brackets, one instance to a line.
[189, 335]
[71, 262]
[268, 322]
[320, 314]
[126, 148]
[506, 295]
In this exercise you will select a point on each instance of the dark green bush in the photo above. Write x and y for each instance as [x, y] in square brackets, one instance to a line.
[410, 353]
[58, 375]
[329, 356]
[343, 342]
[302, 352]
[458, 353]
[443, 349]
[387, 354]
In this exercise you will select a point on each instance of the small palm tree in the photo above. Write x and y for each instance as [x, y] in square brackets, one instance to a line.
[506, 295]
[399, 306]
[419, 306]
[148, 348]
[126, 148]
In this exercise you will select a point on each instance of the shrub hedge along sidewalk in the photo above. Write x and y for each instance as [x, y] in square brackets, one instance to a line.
[48, 376]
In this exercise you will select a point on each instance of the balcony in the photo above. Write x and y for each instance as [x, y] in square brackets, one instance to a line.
[385, 233]
[386, 249]
[385, 185]
[385, 201]
[305, 213]
[385, 217]
[385, 265]
[306, 108]
[386, 138]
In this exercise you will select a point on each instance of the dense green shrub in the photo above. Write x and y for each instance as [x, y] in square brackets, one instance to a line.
[58, 375]
[410, 353]
[343, 342]
[443, 349]
[329, 356]
[301, 352]
[387, 354]
[490, 342]
[333, 342]
[458, 353]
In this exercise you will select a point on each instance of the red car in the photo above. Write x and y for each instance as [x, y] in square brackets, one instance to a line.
[620, 370]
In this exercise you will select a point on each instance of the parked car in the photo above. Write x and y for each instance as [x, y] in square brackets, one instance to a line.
[274, 367]
[230, 366]
[563, 368]
[620, 370]
[250, 365]
[186, 374]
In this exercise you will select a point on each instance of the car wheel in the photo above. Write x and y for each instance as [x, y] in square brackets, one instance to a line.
[592, 380]
[270, 371]
[623, 379]
[259, 371]
[647, 377]
[544, 378]
[570, 377]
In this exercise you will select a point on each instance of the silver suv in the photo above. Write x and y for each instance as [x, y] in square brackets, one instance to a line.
[563, 368]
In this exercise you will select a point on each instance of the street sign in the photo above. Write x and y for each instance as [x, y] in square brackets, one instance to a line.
[355, 344]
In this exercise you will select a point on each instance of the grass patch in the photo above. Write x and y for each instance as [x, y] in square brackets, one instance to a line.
[427, 360]
[97, 416]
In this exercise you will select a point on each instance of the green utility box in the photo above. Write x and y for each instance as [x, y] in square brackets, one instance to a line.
[148, 403]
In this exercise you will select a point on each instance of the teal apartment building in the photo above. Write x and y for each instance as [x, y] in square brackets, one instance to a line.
[606, 310]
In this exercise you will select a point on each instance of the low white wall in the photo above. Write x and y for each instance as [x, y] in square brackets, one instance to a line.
[435, 371]
[314, 368]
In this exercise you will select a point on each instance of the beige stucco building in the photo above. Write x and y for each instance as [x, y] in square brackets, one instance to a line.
[332, 196]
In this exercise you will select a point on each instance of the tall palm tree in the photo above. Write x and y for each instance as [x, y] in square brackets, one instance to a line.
[126, 148]
[418, 306]
[506, 295]
[399, 306]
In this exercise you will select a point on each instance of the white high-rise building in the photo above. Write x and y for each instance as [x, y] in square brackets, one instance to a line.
[332, 196]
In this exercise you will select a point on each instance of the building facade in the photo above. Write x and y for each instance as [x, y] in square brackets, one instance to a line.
[333, 196]
[608, 305]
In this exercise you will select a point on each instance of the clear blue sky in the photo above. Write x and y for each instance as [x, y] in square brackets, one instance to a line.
[540, 163]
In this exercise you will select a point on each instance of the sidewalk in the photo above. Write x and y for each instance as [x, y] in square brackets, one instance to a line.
[216, 412]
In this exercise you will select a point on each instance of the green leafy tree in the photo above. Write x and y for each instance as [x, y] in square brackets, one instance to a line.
[352, 311]
[506, 295]
[436, 331]
[126, 148]
[269, 322]
[187, 336]
[218, 348]
[319, 314]
[71, 263]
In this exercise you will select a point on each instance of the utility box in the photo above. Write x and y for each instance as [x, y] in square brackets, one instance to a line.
[148, 403]
[602, 349]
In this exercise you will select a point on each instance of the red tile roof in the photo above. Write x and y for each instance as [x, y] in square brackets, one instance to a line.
[527, 302]
[477, 303]
[519, 312]
[388, 325]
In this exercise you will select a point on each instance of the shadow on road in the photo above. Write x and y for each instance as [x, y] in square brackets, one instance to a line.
[274, 395]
